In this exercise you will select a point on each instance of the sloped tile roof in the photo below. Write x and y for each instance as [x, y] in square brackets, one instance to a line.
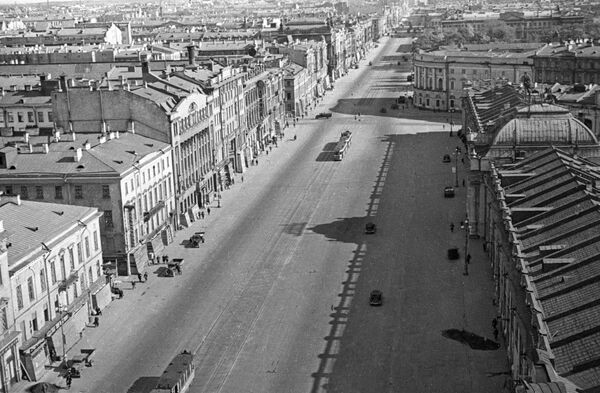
[31, 223]
[569, 292]
[112, 157]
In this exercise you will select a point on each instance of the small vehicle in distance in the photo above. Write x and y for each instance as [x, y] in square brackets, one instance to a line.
[448, 192]
[370, 228]
[453, 253]
[446, 158]
[376, 298]
[323, 115]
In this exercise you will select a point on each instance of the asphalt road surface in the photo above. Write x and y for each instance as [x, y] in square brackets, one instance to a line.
[276, 300]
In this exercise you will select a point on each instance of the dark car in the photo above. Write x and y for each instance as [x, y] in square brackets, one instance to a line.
[448, 192]
[446, 158]
[323, 115]
[453, 253]
[376, 298]
[370, 228]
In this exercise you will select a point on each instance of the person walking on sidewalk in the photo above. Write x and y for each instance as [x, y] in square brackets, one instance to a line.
[69, 379]
[139, 277]
[496, 334]
[451, 227]
[96, 321]
[132, 284]
[468, 258]
[208, 210]
[145, 276]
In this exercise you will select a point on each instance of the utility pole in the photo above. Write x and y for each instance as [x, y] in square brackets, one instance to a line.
[456, 153]
[467, 232]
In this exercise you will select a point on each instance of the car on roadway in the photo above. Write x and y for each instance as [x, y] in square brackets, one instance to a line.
[370, 228]
[453, 253]
[323, 115]
[448, 192]
[446, 158]
[376, 298]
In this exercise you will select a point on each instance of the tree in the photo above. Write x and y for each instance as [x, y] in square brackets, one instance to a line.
[499, 31]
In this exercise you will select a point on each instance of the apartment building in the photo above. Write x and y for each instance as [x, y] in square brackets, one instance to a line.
[54, 277]
[129, 178]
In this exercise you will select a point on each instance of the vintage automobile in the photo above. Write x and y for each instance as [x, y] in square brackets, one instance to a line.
[448, 192]
[453, 253]
[370, 228]
[376, 298]
[196, 239]
[446, 158]
[323, 115]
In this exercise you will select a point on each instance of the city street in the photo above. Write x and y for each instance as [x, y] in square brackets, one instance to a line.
[277, 299]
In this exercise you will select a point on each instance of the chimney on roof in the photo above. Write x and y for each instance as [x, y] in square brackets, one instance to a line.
[111, 135]
[46, 148]
[30, 148]
[26, 137]
[87, 145]
[131, 127]
[63, 83]
[191, 49]
[56, 136]
[78, 154]
[102, 139]
[145, 70]
[116, 134]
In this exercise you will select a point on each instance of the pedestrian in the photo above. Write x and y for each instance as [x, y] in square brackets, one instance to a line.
[145, 276]
[96, 321]
[463, 182]
[496, 334]
[242, 178]
[69, 381]
[451, 227]
[139, 277]
[133, 285]
[494, 323]
[202, 215]
[208, 210]
[468, 258]
[98, 310]
[443, 126]
[462, 160]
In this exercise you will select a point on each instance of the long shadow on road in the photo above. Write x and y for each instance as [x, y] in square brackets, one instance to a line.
[398, 347]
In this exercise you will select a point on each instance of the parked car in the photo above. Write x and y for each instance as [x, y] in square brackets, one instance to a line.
[370, 228]
[448, 192]
[323, 115]
[446, 158]
[376, 298]
[453, 253]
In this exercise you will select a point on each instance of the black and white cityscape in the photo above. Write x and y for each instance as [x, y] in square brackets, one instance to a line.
[256, 196]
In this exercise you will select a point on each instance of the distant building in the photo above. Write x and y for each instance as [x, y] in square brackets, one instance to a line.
[442, 76]
[567, 64]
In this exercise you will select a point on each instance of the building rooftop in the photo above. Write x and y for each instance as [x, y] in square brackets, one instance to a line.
[112, 157]
[560, 243]
[29, 224]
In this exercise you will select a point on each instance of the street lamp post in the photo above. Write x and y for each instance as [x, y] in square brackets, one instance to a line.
[467, 257]
[456, 153]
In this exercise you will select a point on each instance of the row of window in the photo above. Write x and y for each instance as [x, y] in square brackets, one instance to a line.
[26, 117]
[147, 175]
[58, 191]
[73, 262]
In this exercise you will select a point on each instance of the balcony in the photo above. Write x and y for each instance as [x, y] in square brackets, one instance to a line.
[155, 209]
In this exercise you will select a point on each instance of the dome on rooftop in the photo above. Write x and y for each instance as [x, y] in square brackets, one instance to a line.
[543, 124]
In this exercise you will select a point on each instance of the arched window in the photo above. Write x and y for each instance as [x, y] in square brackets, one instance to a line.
[440, 83]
